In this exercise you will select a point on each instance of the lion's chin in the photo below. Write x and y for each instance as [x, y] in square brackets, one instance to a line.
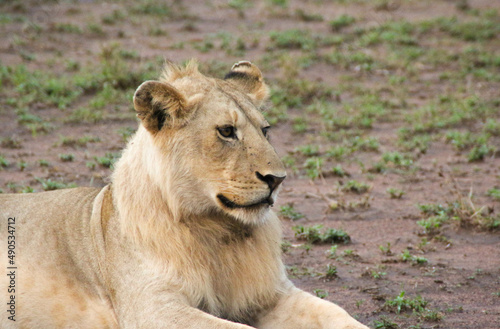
[252, 217]
[254, 213]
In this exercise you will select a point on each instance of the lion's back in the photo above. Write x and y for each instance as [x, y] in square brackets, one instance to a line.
[48, 250]
[27, 206]
[42, 220]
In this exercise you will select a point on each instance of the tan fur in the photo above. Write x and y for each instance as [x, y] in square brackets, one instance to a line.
[183, 237]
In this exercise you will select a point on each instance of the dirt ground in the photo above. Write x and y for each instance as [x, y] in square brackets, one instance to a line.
[384, 69]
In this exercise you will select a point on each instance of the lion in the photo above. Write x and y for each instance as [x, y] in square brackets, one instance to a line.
[182, 237]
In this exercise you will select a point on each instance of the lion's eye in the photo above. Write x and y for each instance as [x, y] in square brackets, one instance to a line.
[227, 131]
[265, 131]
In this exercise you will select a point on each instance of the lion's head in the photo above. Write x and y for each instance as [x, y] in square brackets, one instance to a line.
[209, 151]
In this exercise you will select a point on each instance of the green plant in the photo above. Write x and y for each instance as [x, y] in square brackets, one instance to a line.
[339, 171]
[348, 60]
[401, 303]
[407, 257]
[22, 165]
[462, 211]
[292, 39]
[331, 272]
[341, 22]
[431, 315]
[126, 133]
[111, 19]
[349, 253]
[308, 17]
[478, 153]
[363, 202]
[289, 212]
[107, 160]
[81, 141]
[308, 150]
[27, 189]
[492, 127]
[10, 142]
[95, 28]
[289, 162]
[43, 163]
[418, 144]
[338, 152]
[370, 144]
[3, 162]
[467, 214]
[314, 235]
[67, 28]
[332, 235]
[91, 165]
[13, 187]
[204, 46]
[239, 5]
[432, 224]
[434, 209]
[478, 30]
[377, 274]
[463, 141]
[332, 252]
[152, 7]
[26, 117]
[424, 242]
[395, 193]
[72, 65]
[385, 323]
[299, 125]
[313, 167]
[355, 186]
[386, 250]
[128, 54]
[85, 114]
[307, 247]
[397, 159]
[280, 3]
[107, 96]
[294, 271]
[157, 32]
[321, 293]
[27, 56]
[66, 157]
[38, 86]
[49, 185]
[494, 193]
[311, 234]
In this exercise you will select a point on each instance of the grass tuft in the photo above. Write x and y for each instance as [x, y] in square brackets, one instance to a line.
[402, 303]
[289, 212]
[316, 235]
[341, 22]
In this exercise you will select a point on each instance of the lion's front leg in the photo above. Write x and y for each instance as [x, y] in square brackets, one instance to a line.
[299, 310]
[169, 313]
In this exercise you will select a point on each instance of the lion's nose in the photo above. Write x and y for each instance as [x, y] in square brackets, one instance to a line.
[272, 181]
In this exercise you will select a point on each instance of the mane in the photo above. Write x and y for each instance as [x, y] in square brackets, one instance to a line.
[172, 71]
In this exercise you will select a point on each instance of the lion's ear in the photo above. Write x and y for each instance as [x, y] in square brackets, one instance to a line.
[248, 78]
[159, 104]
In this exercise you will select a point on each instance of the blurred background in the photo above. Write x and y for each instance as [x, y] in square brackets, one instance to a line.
[386, 114]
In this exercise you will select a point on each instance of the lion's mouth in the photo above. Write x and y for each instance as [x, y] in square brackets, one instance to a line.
[268, 201]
